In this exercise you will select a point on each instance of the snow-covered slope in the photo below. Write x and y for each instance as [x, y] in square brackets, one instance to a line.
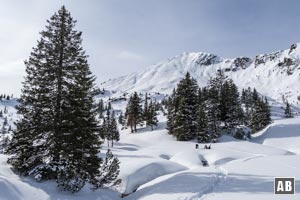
[275, 75]
[156, 166]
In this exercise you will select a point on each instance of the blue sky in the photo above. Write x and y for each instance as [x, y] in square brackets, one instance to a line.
[124, 36]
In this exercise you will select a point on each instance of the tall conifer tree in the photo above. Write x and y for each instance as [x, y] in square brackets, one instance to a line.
[58, 136]
[186, 118]
[287, 111]
[134, 112]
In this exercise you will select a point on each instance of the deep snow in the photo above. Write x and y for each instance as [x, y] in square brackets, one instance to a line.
[155, 166]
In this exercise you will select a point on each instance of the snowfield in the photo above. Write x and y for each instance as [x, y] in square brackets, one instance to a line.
[155, 166]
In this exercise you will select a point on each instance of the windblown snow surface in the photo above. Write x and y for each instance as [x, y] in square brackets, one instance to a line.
[154, 166]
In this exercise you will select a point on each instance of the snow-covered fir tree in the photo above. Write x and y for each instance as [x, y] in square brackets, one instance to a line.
[213, 113]
[172, 107]
[109, 171]
[186, 119]
[260, 115]
[202, 136]
[287, 111]
[146, 107]
[134, 112]
[58, 135]
[151, 115]
[114, 131]
[234, 114]
[100, 108]
[121, 119]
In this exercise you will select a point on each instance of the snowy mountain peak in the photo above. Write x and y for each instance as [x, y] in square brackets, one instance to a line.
[276, 75]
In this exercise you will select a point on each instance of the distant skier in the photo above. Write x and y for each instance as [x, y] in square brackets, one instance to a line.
[197, 146]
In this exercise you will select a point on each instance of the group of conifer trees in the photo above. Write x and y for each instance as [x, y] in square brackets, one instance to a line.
[58, 136]
[204, 113]
[256, 110]
[5, 97]
[109, 128]
[136, 114]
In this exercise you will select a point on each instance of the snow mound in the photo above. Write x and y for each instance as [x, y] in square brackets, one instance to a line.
[146, 173]
[283, 134]
[190, 158]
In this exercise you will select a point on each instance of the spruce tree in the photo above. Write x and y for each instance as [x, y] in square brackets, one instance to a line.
[287, 111]
[134, 112]
[110, 170]
[234, 113]
[106, 127]
[114, 131]
[100, 108]
[58, 136]
[255, 96]
[224, 104]
[172, 107]
[260, 115]
[121, 119]
[213, 113]
[151, 117]
[146, 106]
[109, 106]
[203, 135]
[186, 118]
[267, 112]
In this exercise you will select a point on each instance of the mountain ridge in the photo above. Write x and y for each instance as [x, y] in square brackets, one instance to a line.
[276, 75]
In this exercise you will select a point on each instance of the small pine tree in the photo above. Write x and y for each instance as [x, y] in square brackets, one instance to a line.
[267, 112]
[3, 129]
[121, 119]
[5, 122]
[260, 115]
[287, 111]
[172, 107]
[106, 127]
[203, 135]
[100, 108]
[115, 134]
[109, 106]
[146, 106]
[254, 96]
[151, 117]
[234, 113]
[213, 113]
[134, 112]
[110, 170]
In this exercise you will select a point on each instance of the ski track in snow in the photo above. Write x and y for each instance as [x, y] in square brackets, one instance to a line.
[220, 177]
